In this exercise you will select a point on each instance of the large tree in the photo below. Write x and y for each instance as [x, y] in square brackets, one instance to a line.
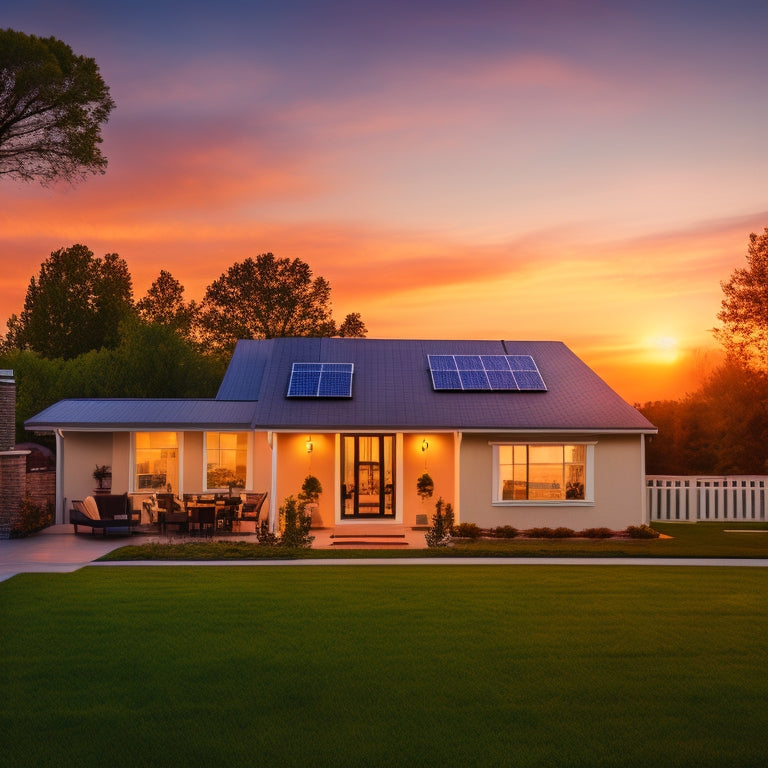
[74, 305]
[744, 312]
[265, 298]
[52, 106]
[164, 304]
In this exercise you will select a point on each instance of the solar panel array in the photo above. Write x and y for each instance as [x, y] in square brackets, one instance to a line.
[321, 380]
[485, 372]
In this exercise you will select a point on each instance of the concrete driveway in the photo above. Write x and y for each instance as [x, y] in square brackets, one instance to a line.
[54, 550]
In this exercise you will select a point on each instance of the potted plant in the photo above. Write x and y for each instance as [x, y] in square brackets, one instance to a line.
[311, 489]
[101, 474]
[425, 486]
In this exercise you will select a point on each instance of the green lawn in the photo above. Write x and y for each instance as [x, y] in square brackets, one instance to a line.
[413, 665]
[687, 540]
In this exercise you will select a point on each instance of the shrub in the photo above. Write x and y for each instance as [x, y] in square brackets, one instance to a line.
[33, 518]
[295, 525]
[265, 536]
[504, 532]
[550, 533]
[596, 533]
[439, 534]
[641, 532]
[467, 530]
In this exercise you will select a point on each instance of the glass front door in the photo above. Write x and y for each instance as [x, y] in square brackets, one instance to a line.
[367, 477]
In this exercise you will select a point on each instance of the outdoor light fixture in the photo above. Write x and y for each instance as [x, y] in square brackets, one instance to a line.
[424, 446]
[309, 445]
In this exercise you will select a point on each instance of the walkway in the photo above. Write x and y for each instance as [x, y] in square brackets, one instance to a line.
[58, 550]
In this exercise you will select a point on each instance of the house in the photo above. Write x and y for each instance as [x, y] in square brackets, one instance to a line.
[517, 433]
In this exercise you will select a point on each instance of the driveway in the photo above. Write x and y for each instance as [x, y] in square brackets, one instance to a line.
[54, 550]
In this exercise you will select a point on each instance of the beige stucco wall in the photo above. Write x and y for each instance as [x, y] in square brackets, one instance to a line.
[82, 452]
[294, 464]
[438, 461]
[618, 485]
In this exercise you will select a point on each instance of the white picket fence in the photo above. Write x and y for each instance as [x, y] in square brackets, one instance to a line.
[692, 499]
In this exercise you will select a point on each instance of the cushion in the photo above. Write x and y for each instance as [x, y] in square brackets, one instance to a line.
[90, 508]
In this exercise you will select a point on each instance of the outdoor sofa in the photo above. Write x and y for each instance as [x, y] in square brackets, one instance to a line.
[109, 511]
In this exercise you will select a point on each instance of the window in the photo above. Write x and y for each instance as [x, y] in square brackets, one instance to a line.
[156, 460]
[226, 459]
[547, 472]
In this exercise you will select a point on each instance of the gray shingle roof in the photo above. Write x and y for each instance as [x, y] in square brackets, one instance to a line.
[391, 390]
[143, 414]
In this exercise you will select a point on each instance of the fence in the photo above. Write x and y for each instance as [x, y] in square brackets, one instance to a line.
[690, 499]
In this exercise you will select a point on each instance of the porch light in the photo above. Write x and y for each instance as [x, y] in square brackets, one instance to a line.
[309, 445]
[424, 446]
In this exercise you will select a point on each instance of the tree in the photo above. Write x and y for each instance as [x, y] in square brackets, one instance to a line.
[353, 325]
[52, 106]
[164, 304]
[744, 312]
[266, 298]
[76, 304]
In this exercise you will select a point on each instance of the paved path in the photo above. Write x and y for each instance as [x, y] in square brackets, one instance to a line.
[58, 550]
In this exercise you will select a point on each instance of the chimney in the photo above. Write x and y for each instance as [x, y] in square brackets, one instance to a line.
[7, 410]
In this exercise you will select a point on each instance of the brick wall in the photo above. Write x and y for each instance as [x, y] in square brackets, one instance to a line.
[41, 486]
[13, 482]
[7, 410]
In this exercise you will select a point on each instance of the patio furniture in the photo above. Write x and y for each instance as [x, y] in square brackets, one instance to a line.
[251, 509]
[106, 512]
[202, 519]
[170, 512]
[226, 512]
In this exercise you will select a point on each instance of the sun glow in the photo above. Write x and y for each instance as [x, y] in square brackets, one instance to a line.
[664, 349]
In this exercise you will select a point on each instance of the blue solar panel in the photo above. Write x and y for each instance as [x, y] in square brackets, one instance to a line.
[474, 380]
[485, 373]
[530, 380]
[321, 380]
[441, 363]
[446, 379]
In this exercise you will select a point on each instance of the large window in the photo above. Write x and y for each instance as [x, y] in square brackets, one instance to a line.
[543, 472]
[226, 459]
[156, 460]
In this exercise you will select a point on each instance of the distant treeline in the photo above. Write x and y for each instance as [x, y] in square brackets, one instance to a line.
[722, 429]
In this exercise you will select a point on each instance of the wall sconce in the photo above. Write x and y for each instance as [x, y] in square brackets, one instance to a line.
[309, 446]
[424, 446]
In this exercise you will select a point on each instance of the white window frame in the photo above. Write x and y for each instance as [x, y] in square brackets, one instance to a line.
[589, 476]
[179, 458]
[248, 453]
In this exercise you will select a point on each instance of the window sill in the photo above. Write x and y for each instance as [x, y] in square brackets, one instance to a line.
[545, 503]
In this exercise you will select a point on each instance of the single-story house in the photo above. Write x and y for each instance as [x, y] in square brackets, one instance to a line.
[518, 433]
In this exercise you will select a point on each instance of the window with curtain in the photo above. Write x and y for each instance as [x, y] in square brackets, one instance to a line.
[226, 459]
[156, 461]
[543, 472]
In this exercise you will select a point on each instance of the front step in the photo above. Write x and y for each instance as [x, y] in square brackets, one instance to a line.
[374, 537]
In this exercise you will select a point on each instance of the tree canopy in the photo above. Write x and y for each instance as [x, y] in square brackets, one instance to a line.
[74, 305]
[267, 297]
[52, 107]
[164, 304]
[744, 312]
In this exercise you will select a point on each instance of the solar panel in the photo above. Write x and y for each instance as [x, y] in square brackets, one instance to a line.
[485, 373]
[321, 380]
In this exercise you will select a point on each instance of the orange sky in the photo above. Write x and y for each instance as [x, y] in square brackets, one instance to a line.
[551, 170]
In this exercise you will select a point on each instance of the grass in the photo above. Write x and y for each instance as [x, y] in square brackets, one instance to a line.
[344, 665]
[688, 540]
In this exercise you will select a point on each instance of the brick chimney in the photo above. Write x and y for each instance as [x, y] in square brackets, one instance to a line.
[7, 410]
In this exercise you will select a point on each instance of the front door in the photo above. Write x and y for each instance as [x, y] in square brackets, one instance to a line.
[368, 477]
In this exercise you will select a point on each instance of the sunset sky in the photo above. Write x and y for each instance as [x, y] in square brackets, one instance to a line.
[581, 171]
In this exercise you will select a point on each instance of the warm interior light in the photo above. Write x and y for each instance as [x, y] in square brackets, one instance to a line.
[309, 444]
[424, 446]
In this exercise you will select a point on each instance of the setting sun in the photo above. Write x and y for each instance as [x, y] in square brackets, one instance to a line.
[665, 349]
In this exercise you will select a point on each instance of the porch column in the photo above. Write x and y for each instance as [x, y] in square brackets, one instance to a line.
[457, 475]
